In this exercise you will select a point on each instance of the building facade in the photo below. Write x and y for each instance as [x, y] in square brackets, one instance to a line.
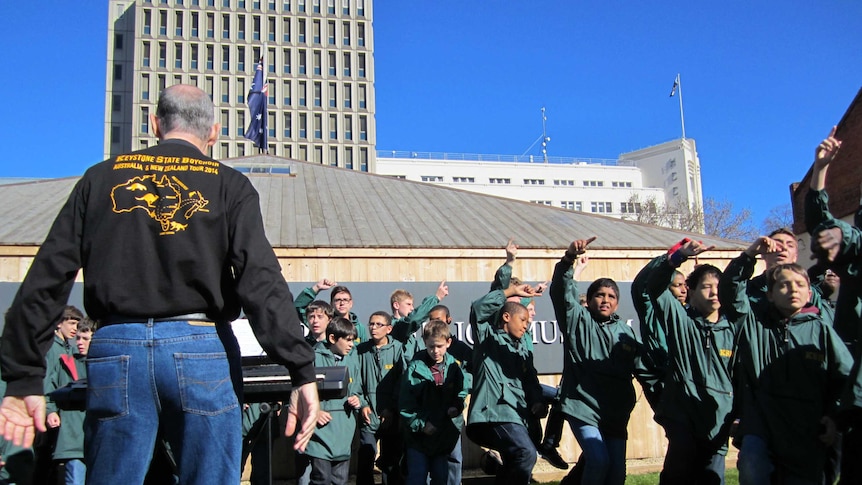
[668, 173]
[319, 65]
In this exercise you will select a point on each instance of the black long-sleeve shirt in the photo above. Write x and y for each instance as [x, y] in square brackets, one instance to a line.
[159, 232]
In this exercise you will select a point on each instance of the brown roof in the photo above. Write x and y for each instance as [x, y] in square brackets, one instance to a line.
[318, 206]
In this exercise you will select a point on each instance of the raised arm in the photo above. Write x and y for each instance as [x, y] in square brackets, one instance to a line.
[405, 326]
[816, 200]
[564, 289]
[503, 276]
[733, 284]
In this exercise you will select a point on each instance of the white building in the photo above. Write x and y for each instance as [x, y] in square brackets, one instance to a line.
[669, 173]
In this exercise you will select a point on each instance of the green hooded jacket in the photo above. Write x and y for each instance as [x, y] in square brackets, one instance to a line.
[333, 440]
[698, 387]
[790, 373]
[505, 383]
[600, 359]
[422, 401]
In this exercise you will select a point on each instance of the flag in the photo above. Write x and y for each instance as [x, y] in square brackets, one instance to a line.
[675, 85]
[257, 100]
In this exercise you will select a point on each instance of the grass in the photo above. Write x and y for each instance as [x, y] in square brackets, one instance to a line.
[731, 477]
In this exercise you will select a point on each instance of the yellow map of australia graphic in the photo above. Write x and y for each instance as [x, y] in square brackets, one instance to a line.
[167, 200]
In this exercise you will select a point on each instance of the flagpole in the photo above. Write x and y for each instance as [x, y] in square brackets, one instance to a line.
[681, 116]
[265, 149]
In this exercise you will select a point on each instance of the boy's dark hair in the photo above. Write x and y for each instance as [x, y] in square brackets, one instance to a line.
[699, 273]
[340, 327]
[338, 289]
[439, 308]
[70, 311]
[435, 329]
[602, 283]
[86, 325]
[513, 307]
[771, 274]
[783, 230]
[383, 314]
[320, 305]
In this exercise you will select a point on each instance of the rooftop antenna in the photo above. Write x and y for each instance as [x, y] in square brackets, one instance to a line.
[543, 137]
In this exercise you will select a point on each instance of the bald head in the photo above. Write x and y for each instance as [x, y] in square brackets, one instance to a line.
[185, 110]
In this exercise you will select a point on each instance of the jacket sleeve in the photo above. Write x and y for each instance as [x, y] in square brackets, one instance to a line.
[564, 296]
[483, 314]
[303, 299]
[405, 326]
[263, 293]
[32, 317]
[732, 288]
[412, 412]
[502, 277]
[816, 207]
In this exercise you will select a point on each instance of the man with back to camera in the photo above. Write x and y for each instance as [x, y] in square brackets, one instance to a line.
[172, 245]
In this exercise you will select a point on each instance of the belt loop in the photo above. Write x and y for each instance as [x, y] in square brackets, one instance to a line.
[151, 322]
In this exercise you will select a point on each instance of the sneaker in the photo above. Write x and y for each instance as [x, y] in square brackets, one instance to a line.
[550, 454]
[490, 462]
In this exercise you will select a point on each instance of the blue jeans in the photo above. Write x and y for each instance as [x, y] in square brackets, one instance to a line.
[420, 466]
[175, 376]
[455, 463]
[515, 446]
[756, 467]
[76, 472]
[604, 458]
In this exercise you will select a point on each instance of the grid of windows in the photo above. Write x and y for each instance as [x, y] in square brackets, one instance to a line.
[593, 183]
[181, 36]
[468, 180]
[621, 184]
[601, 207]
[564, 182]
[431, 178]
[500, 181]
[534, 182]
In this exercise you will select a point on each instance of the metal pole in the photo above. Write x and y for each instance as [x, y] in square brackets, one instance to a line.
[681, 116]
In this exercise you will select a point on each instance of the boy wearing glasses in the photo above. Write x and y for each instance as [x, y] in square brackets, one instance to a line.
[342, 301]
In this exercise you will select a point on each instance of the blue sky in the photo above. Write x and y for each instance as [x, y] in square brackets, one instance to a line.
[762, 82]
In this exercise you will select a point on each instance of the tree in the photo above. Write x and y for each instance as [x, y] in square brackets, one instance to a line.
[779, 216]
[721, 219]
[716, 218]
[675, 216]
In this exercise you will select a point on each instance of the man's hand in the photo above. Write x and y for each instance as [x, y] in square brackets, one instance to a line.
[827, 243]
[511, 251]
[442, 290]
[578, 247]
[21, 417]
[303, 408]
[826, 150]
[53, 420]
[323, 284]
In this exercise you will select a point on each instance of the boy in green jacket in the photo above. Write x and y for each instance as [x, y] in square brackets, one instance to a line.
[695, 405]
[431, 401]
[506, 390]
[328, 452]
[601, 356]
[790, 368]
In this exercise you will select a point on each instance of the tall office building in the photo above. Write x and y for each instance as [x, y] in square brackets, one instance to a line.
[319, 66]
